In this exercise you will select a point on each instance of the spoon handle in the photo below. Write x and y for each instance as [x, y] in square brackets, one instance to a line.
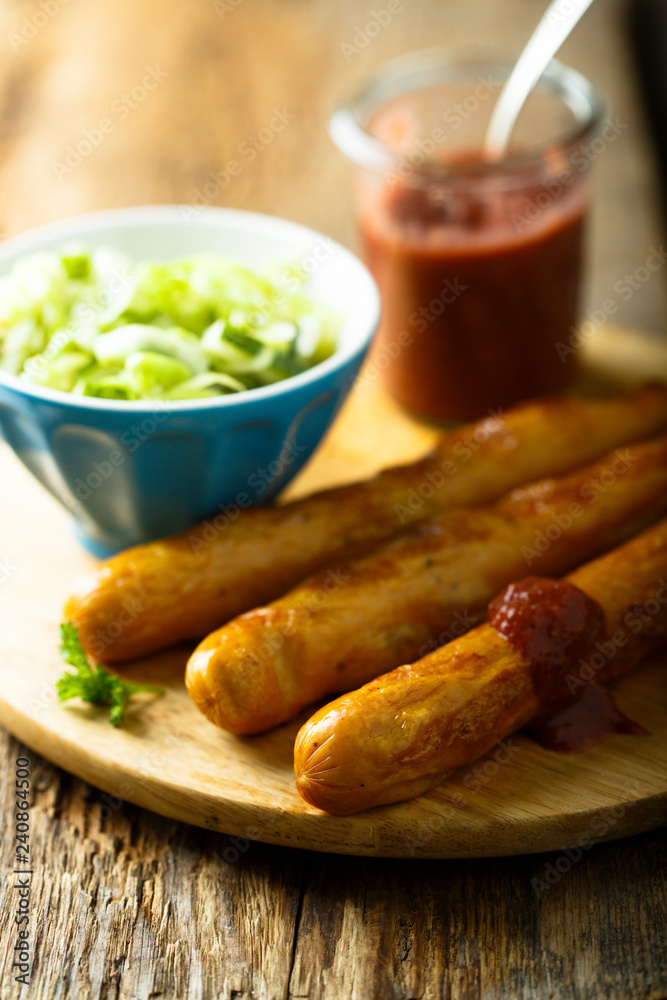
[558, 21]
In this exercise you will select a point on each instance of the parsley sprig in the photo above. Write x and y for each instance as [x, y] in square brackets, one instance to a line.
[91, 682]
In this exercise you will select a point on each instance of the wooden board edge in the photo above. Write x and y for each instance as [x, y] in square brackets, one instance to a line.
[600, 824]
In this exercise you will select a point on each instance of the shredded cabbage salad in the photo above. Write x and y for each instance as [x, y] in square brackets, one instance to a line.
[94, 323]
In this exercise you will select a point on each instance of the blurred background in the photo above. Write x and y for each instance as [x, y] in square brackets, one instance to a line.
[225, 102]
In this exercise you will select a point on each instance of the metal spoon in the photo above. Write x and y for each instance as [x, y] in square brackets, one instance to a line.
[555, 26]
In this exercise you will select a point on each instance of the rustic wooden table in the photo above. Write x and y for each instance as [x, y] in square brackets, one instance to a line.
[133, 101]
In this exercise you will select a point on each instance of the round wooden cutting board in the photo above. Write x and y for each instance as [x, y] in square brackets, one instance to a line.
[168, 758]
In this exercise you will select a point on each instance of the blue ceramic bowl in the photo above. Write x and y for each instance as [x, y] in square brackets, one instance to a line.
[133, 471]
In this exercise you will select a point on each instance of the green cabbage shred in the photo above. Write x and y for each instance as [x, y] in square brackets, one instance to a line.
[94, 323]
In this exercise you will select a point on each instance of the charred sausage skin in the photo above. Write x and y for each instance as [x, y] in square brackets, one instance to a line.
[338, 630]
[183, 587]
[400, 735]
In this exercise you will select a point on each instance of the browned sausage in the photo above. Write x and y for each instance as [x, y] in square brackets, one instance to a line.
[401, 734]
[338, 629]
[183, 587]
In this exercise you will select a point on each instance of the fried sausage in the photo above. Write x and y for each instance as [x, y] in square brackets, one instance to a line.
[403, 733]
[182, 587]
[339, 629]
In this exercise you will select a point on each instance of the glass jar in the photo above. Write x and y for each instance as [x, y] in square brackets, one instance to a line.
[479, 263]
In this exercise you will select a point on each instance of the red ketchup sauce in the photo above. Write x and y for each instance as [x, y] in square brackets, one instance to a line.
[484, 292]
[554, 625]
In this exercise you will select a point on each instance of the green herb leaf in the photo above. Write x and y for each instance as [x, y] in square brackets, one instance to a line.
[91, 682]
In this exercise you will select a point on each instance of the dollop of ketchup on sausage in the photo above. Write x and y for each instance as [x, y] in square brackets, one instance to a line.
[554, 625]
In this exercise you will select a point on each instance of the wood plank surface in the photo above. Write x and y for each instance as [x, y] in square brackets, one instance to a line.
[126, 904]
[129, 905]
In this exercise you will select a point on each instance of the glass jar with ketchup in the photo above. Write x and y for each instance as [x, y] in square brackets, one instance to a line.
[478, 263]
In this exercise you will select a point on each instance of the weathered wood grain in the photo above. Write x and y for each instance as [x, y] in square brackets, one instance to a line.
[128, 905]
